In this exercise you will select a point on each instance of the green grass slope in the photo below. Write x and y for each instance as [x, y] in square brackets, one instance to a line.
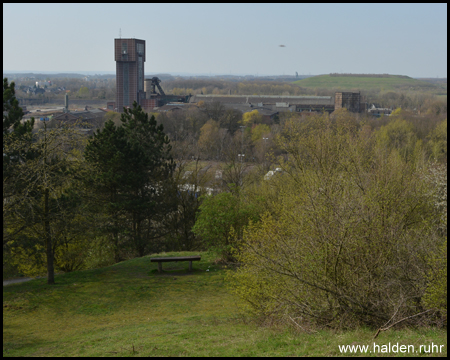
[347, 83]
[129, 309]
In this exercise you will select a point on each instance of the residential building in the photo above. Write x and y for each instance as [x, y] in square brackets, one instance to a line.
[379, 111]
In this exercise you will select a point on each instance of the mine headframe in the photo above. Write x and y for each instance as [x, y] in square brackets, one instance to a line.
[155, 83]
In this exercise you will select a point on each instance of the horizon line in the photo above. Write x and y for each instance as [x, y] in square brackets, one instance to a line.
[91, 72]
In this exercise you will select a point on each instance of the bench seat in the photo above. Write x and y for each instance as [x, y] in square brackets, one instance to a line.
[175, 259]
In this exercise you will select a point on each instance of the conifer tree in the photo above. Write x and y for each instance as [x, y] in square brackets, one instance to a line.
[133, 174]
[14, 132]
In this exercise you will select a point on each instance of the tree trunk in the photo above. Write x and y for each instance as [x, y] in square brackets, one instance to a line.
[139, 241]
[116, 244]
[48, 240]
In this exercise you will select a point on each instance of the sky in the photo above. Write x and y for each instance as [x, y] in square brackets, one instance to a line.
[230, 39]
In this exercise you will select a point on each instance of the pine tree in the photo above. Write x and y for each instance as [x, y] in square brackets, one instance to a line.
[132, 177]
[16, 140]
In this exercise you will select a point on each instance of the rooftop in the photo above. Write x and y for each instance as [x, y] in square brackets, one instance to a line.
[265, 99]
[266, 96]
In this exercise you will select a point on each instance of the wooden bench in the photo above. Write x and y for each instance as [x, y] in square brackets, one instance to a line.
[176, 259]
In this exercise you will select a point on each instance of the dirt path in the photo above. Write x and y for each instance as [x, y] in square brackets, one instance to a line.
[15, 281]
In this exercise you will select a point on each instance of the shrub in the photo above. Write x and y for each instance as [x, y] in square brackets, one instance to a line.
[346, 242]
[221, 222]
[436, 293]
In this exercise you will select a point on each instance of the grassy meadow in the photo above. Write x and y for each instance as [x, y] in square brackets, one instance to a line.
[129, 309]
[392, 82]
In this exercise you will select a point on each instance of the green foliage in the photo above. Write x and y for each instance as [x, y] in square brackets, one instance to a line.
[107, 311]
[436, 293]
[345, 242]
[83, 92]
[100, 253]
[259, 131]
[209, 140]
[109, 165]
[12, 113]
[398, 134]
[230, 120]
[436, 107]
[251, 117]
[113, 116]
[191, 184]
[16, 141]
[39, 210]
[222, 220]
[438, 141]
[132, 177]
[391, 82]
[29, 261]
[44, 209]
[70, 242]
[75, 232]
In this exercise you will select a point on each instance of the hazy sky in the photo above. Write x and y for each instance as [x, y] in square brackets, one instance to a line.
[403, 39]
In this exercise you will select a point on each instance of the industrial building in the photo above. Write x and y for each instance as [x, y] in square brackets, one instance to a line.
[131, 85]
[272, 103]
[129, 55]
[353, 102]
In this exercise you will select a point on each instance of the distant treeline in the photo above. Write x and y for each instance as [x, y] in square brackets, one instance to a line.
[434, 80]
[35, 76]
[369, 75]
[40, 101]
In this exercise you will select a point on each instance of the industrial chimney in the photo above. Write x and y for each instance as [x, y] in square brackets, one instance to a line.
[66, 103]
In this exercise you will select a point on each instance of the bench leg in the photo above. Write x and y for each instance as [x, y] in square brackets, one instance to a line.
[190, 266]
[159, 267]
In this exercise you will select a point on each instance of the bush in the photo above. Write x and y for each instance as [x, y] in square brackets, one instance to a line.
[221, 222]
[29, 261]
[100, 254]
[346, 242]
[436, 293]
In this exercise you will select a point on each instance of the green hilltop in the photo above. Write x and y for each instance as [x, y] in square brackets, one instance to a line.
[130, 309]
[371, 82]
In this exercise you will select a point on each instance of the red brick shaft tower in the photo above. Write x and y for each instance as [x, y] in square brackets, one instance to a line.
[129, 55]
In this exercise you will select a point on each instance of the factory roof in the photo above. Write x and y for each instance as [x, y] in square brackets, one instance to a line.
[264, 99]
[247, 108]
[83, 115]
[174, 106]
[263, 96]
